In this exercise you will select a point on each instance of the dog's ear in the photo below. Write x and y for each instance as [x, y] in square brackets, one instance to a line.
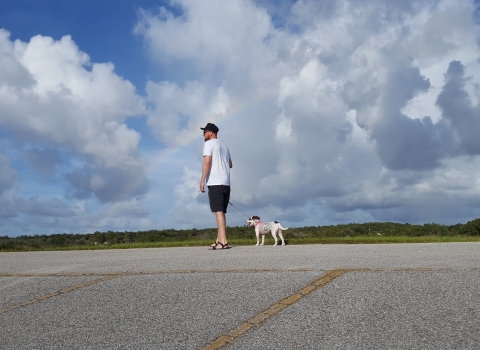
[256, 217]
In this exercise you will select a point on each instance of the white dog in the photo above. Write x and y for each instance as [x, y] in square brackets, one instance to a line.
[262, 228]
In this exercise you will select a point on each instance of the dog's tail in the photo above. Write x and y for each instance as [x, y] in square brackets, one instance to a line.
[280, 226]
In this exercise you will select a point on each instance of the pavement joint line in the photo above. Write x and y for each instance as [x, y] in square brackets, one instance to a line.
[54, 294]
[233, 335]
[158, 272]
[168, 272]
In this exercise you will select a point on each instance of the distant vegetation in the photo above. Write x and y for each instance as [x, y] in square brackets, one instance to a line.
[374, 232]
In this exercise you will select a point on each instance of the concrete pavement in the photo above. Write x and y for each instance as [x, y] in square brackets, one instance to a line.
[402, 296]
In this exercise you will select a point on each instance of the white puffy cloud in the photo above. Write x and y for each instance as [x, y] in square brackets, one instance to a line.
[177, 113]
[190, 204]
[53, 98]
[208, 33]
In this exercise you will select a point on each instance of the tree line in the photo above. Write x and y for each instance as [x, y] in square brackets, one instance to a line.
[237, 232]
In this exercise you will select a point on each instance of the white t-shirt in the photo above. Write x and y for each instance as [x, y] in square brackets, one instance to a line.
[220, 170]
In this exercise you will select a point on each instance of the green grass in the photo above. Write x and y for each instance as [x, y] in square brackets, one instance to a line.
[385, 239]
[268, 241]
[354, 233]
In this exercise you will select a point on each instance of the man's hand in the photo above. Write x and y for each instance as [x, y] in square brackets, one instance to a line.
[207, 164]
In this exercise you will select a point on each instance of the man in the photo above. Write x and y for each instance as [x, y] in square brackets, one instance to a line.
[216, 175]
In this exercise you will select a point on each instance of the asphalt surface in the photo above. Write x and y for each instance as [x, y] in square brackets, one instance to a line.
[395, 296]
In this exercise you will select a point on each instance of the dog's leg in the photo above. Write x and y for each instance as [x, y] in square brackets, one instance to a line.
[258, 236]
[263, 240]
[280, 233]
[274, 234]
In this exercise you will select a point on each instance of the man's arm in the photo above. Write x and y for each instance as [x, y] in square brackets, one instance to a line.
[230, 163]
[207, 164]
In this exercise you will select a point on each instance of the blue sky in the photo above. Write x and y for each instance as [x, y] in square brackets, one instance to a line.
[334, 111]
[103, 29]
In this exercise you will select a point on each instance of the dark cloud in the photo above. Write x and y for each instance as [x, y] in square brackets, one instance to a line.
[306, 13]
[109, 185]
[418, 144]
[8, 175]
[413, 144]
[277, 9]
[47, 210]
[53, 207]
[403, 142]
[458, 110]
[7, 210]
[343, 131]
[404, 81]
[43, 160]
[429, 208]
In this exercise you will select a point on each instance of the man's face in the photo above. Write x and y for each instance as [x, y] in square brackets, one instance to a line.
[207, 134]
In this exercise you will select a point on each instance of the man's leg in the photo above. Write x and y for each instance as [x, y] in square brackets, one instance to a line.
[219, 197]
[222, 227]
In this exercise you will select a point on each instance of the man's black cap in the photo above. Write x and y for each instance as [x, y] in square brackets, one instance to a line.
[210, 127]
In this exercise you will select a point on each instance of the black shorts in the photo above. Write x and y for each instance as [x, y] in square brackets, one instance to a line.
[219, 195]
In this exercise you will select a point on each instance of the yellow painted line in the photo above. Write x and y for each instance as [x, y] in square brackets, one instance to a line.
[237, 333]
[258, 319]
[292, 299]
[54, 294]
[307, 290]
[219, 342]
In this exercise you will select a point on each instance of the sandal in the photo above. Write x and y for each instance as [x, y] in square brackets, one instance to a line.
[214, 246]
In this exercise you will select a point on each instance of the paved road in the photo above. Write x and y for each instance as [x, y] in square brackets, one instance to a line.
[402, 296]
